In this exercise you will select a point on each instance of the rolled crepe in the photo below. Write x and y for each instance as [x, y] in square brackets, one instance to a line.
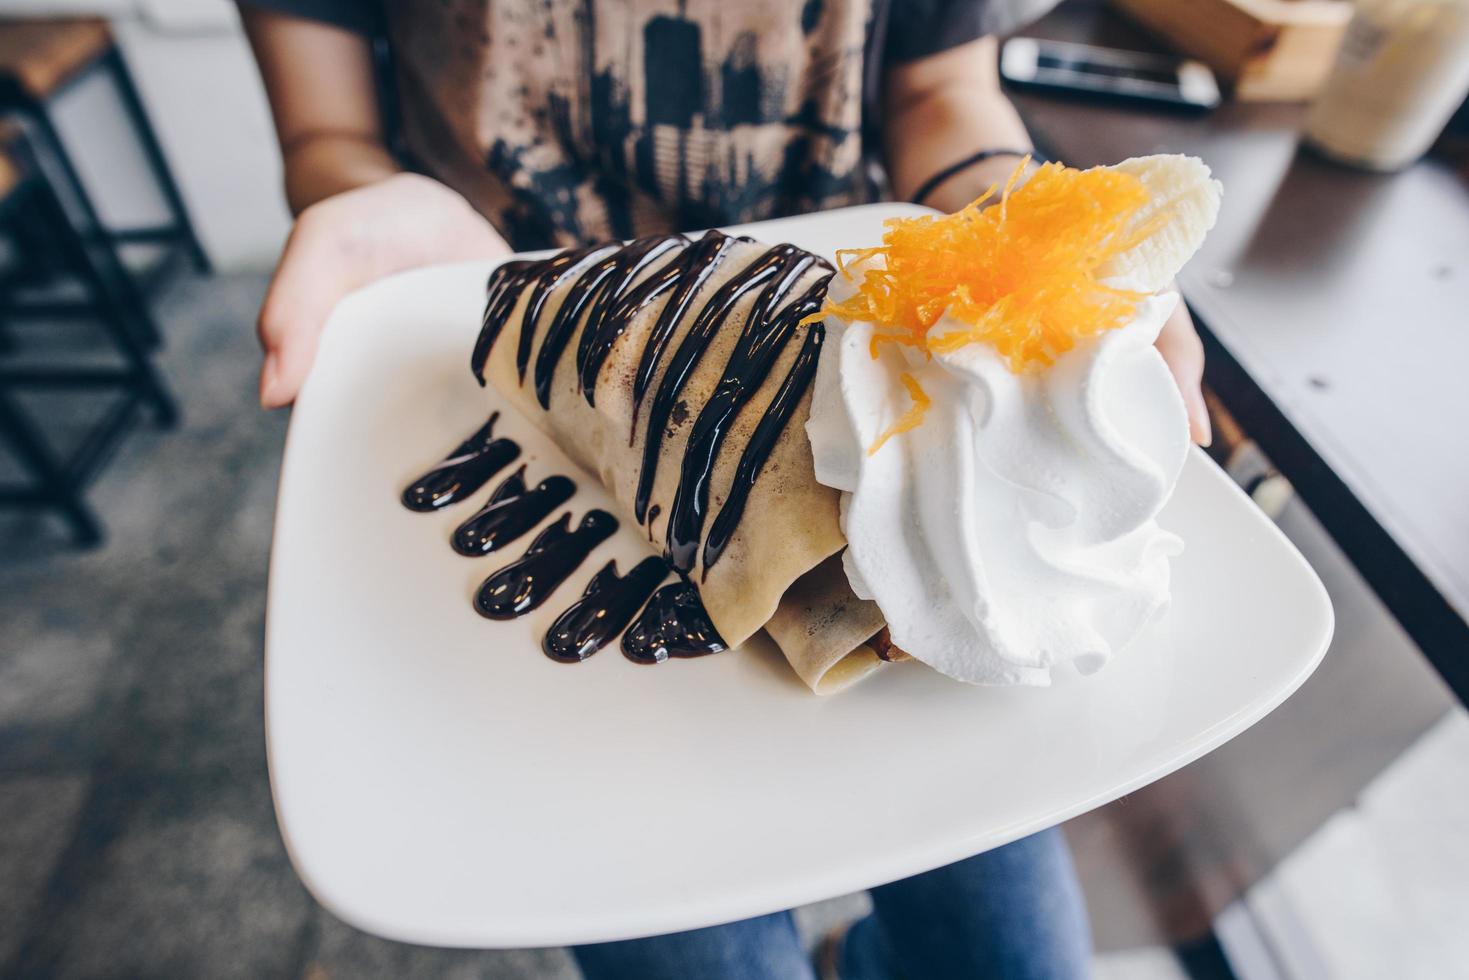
[604, 349]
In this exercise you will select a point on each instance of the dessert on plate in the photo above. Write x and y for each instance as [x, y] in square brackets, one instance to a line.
[952, 448]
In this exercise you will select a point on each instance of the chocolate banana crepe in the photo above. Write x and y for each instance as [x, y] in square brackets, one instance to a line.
[679, 372]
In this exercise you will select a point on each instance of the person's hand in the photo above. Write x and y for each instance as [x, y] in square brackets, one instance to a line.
[346, 241]
[1183, 352]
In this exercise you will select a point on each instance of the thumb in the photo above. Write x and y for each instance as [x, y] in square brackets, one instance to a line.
[1185, 360]
[1191, 387]
[307, 285]
[1183, 352]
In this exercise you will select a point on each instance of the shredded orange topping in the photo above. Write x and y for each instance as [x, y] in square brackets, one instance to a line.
[910, 418]
[1021, 275]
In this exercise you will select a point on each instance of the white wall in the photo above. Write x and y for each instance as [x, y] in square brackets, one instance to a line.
[193, 67]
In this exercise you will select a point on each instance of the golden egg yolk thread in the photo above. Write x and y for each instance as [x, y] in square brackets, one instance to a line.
[909, 419]
[1020, 276]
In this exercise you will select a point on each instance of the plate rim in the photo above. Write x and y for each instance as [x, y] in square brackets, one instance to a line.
[363, 913]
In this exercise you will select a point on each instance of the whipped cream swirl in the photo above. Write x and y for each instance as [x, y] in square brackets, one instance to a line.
[1013, 530]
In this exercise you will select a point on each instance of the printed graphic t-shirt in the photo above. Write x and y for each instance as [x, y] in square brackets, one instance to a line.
[567, 121]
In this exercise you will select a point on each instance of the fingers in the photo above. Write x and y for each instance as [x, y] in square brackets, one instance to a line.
[1184, 354]
[308, 282]
[347, 241]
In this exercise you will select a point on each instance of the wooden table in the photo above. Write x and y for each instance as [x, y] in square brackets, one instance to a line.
[1335, 309]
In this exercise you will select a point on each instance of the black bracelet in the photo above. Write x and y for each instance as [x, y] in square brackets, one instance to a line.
[932, 183]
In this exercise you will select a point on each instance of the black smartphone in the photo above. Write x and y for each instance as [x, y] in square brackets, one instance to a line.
[1109, 73]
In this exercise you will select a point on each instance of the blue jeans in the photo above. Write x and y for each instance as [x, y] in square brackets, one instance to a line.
[1014, 912]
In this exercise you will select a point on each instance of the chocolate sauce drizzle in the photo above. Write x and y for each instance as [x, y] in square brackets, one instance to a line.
[699, 262]
[510, 512]
[503, 289]
[606, 287]
[604, 610]
[691, 351]
[555, 553]
[463, 471]
[762, 442]
[544, 282]
[603, 302]
[672, 624]
[610, 285]
[762, 340]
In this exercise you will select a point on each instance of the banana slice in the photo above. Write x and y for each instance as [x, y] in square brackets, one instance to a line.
[1182, 188]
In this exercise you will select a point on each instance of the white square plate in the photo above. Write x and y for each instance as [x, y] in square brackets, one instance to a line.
[438, 780]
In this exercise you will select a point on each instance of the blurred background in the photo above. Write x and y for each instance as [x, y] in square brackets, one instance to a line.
[140, 214]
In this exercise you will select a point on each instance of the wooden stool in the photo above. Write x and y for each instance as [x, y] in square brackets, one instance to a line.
[56, 481]
[41, 59]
